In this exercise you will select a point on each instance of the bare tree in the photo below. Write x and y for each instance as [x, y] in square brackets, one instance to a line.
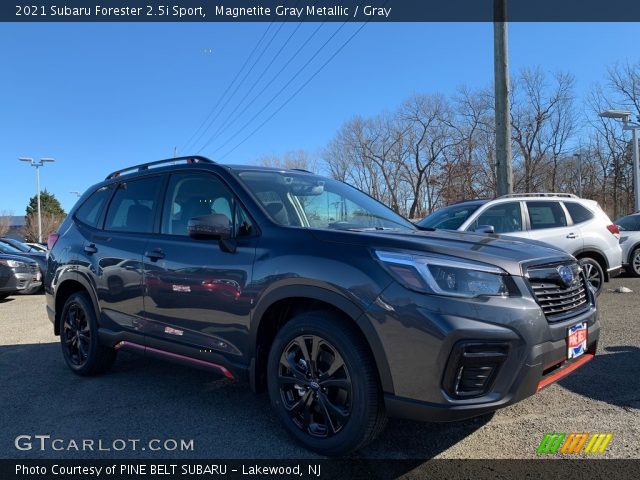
[293, 159]
[5, 222]
[542, 123]
[50, 224]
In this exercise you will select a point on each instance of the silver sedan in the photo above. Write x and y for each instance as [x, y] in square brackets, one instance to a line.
[630, 242]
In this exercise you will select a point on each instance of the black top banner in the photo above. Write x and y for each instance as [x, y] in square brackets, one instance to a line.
[320, 11]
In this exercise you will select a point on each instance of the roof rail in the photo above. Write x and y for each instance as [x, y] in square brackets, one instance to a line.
[145, 166]
[300, 170]
[540, 194]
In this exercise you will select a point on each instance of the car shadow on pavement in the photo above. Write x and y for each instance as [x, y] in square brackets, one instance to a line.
[149, 399]
[6, 300]
[609, 377]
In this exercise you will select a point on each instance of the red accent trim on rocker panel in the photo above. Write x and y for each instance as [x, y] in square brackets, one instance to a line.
[196, 361]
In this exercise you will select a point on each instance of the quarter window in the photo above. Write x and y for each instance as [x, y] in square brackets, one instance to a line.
[89, 212]
[546, 215]
[578, 213]
[133, 204]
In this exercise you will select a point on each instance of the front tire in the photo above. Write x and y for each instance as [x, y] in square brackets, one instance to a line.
[323, 384]
[634, 263]
[79, 338]
[594, 273]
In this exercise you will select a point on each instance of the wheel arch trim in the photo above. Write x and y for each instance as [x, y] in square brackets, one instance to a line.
[78, 278]
[338, 301]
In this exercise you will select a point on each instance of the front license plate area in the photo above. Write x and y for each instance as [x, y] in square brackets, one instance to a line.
[576, 340]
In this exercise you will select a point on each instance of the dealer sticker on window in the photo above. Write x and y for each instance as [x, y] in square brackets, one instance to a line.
[576, 340]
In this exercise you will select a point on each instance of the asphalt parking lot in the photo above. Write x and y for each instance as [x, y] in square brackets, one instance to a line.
[145, 399]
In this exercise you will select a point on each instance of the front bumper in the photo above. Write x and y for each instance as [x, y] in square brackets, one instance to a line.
[419, 333]
[26, 280]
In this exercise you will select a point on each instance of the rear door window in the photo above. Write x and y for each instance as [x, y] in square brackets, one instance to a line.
[546, 215]
[133, 206]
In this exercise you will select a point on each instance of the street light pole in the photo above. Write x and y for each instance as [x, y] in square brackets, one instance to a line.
[636, 189]
[625, 116]
[37, 166]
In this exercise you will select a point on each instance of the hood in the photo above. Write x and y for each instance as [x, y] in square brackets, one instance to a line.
[39, 257]
[511, 255]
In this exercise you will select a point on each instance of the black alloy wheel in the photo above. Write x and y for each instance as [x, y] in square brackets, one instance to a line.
[76, 334]
[324, 385]
[81, 349]
[315, 386]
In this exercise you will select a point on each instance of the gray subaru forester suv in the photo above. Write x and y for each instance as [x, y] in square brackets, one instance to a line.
[306, 287]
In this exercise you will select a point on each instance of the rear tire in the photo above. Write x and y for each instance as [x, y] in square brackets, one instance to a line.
[81, 349]
[324, 385]
[634, 263]
[594, 273]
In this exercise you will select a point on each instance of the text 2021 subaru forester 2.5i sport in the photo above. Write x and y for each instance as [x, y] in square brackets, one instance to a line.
[305, 286]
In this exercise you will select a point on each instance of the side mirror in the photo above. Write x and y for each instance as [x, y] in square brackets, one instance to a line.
[214, 227]
[485, 229]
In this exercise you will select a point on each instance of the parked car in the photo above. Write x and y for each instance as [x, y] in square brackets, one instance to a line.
[22, 246]
[577, 226]
[37, 247]
[39, 257]
[306, 287]
[17, 274]
[630, 243]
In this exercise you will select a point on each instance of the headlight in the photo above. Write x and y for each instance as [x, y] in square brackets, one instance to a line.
[13, 263]
[445, 275]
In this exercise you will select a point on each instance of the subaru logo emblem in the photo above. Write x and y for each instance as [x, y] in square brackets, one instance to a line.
[566, 275]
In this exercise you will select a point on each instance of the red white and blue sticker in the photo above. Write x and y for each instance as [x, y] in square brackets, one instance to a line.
[576, 340]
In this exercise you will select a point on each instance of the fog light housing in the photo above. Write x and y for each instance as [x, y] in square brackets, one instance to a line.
[473, 367]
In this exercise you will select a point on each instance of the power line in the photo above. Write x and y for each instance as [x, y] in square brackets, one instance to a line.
[240, 83]
[229, 120]
[278, 93]
[226, 124]
[297, 91]
[227, 89]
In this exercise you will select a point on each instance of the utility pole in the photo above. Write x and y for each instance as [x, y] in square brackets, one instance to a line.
[504, 174]
[37, 166]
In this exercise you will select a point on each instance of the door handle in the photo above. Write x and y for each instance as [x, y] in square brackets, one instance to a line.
[90, 248]
[572, 235]
[155, 254]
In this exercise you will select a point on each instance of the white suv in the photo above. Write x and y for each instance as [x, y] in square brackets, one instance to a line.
[577, 226]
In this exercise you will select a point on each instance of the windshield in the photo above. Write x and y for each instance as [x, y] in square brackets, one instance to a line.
[630, 222]
[309, 201]
[449, 218]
